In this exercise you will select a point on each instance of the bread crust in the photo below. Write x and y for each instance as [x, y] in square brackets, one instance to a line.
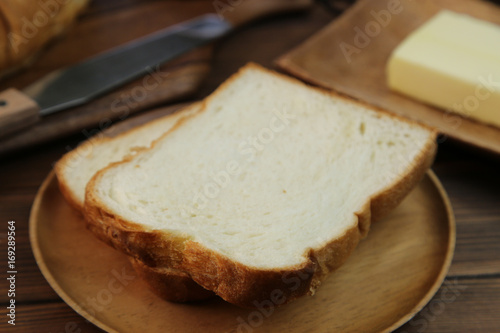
[81, 152]
[237, 283]
[170, 284]
[27, 27]
[66, 161]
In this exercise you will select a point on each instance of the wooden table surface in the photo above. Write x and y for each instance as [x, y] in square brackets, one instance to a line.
[470, 176]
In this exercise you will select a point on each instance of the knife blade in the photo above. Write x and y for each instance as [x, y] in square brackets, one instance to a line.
[82, 83]
[85, 81]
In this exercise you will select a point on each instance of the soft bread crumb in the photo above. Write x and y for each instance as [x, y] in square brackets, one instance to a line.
[220, 176]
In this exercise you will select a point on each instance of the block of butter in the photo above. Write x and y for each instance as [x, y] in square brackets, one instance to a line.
[453, 62]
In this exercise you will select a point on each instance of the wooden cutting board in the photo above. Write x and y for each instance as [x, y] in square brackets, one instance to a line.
[337, 58]
[176, 80]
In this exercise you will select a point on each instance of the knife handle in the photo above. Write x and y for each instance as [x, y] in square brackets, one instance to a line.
[240, 12]
[17, 110]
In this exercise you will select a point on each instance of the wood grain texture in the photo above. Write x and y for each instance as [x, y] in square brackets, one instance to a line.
[248, 11]
[338, 58]
[470, 176]
[473, 187]
[54, 317]
[466, 305]
[461, 305]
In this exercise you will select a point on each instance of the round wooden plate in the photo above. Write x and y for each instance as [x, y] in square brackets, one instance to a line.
[392, 274]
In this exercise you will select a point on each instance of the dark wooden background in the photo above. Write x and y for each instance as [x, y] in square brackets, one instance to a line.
[470, 176]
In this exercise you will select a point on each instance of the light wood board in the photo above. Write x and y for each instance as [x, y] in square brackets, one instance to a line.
[338, 58]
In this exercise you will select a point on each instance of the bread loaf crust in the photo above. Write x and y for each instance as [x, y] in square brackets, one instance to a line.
[64, 163]
[170, 284]
[237, 283]
[27, 27]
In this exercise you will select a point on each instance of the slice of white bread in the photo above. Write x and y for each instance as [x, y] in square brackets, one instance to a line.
[76, 168]
[265, 191]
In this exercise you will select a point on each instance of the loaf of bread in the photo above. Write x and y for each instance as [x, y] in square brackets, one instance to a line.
[76, 168]
[265, 191]
[26, 26]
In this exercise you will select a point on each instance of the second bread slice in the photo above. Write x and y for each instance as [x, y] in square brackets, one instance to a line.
[78, 166]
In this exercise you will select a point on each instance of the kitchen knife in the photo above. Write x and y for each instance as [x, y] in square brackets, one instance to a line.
[83, 82]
